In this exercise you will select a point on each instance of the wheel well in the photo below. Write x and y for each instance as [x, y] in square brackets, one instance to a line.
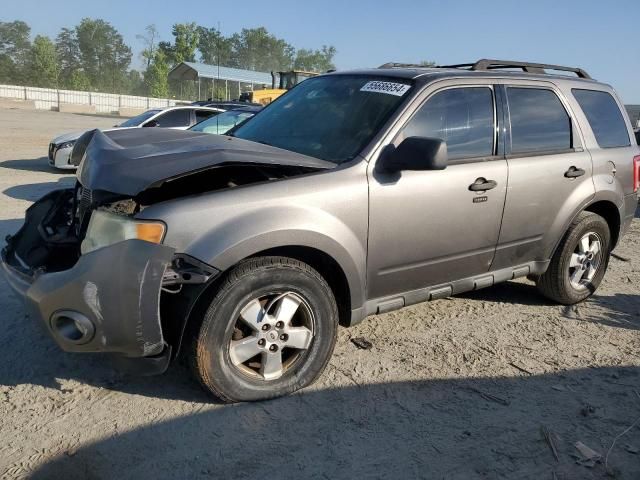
[327, 267]
[609, 212]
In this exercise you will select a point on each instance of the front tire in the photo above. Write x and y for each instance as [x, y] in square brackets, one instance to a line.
[580, 261]
[269, 331]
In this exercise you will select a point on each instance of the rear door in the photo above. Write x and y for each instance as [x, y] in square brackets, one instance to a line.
[431, 227]
[550, 173]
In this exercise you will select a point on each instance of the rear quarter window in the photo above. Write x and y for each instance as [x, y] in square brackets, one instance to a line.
[604, 116]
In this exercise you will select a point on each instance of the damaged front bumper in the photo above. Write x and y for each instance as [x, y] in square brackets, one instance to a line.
[107, 301]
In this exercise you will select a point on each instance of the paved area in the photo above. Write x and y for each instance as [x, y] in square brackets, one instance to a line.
[499, 383]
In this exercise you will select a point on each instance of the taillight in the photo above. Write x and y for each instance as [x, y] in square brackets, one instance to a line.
[636, 173]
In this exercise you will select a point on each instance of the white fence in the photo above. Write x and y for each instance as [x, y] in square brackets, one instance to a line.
[51, 98]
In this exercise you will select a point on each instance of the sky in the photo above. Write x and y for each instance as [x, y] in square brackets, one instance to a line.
[601, 37]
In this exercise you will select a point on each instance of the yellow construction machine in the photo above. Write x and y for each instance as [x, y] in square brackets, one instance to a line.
[283, 80]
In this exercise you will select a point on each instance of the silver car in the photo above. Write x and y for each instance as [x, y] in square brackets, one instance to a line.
[354, 194]
[179, 118]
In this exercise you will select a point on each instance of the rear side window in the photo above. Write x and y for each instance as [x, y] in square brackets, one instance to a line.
[462, 117]
[175, 118]
[604, 116]
[539, 122]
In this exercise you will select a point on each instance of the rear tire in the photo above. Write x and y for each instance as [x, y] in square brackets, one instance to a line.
[580, 261]
[269, 331]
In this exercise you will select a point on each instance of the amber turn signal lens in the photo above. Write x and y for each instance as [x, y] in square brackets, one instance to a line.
[151, 232]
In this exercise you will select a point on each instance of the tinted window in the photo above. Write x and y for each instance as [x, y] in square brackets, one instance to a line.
[462, 117]
[135, 121]
[329, 117]
[175, 118]
[539, 122]
[604, 116]
[221, 124]
[203, 115]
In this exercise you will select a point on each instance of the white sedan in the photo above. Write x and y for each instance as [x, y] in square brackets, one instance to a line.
[179, 118]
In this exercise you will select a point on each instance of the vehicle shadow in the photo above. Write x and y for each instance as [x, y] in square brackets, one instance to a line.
[33, 191]
[40, 164]
[498, 428]
[509, 292]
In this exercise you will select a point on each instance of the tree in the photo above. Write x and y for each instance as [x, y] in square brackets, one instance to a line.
[68, 56]
[156, 76]
[257, 49]
[78, 80]
[215, 48]
[104, 57]
[14, 50]
[150, 42]
[315, 60]
[43, 68]
[186, 42]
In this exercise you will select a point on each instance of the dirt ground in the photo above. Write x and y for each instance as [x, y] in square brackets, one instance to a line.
[499, 383]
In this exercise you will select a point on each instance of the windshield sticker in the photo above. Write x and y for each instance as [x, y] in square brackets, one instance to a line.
[390, 88]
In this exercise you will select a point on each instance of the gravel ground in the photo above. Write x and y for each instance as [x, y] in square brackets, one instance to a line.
[499, 383]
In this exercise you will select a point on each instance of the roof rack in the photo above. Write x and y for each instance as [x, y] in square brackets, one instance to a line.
[489, 64]
[400, 65]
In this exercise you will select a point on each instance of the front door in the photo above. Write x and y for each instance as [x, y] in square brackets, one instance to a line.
[430, 227]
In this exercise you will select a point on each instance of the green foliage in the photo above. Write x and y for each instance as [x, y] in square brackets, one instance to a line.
[69, 57]
[93, 56]
[104, 56]
[150, 42]
[14, 51]
[155, 77]
[78, 80]
[315, 60]
[214, 48]
[43, 68]
[186, 42]
[257, 49]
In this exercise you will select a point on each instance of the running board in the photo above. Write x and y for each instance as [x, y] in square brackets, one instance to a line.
[387, 304]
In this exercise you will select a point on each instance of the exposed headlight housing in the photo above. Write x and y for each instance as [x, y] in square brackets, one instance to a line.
[107, 228]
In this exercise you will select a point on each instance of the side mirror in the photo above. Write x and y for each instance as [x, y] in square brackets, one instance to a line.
[152, 123]
[638, 136]
[414, 153]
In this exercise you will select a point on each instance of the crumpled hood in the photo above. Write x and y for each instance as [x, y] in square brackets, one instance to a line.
[129, 161]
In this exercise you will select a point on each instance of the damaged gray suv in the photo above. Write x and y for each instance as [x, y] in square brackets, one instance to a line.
[354, 194]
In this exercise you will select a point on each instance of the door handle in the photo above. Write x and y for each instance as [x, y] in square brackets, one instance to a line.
[482, 184]
[574, 172]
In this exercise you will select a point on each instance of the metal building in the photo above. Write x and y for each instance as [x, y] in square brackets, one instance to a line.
[208, 77]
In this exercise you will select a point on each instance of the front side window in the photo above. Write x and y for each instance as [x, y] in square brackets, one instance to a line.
[539, 122]
[604, 116]
[462, 117]
[329, 117]
[174, 118]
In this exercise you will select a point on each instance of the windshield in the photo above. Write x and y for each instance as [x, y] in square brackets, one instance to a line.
[137, 120]
[331, 117]
[222, 123]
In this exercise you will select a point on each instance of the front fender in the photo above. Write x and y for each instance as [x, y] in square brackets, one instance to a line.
[273, 227]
